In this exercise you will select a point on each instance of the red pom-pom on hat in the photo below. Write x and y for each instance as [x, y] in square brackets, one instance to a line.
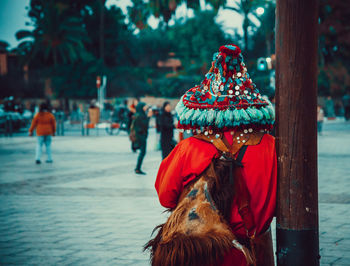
[230, 49]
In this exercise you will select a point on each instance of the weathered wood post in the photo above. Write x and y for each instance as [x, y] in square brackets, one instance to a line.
[296, 97]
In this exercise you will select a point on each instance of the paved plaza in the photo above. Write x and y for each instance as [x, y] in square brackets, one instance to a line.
[89, 208]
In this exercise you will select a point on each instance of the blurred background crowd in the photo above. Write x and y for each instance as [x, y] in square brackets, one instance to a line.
[68, 53]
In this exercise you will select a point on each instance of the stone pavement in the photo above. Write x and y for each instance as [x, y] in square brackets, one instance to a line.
[334, 193]
[89, 208]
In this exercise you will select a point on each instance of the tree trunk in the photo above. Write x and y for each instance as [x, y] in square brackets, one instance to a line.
[296, 143]
[245, 32]
[101, 37]
[268, 45]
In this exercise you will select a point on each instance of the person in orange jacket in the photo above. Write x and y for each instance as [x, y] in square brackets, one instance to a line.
[45, 124]
[231, 122]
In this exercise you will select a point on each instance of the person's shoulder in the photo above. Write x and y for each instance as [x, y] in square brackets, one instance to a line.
[195, 143]
[267, 141]
[269, 138]
[49, 114]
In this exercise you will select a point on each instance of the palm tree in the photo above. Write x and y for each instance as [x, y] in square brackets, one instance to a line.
[56, 38]
[141, 11]
[216, 4]
[3, 46]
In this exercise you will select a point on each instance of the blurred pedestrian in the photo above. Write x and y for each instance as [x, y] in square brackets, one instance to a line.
[140, 128]
[346, 104]
[320, 118]
[60, 117]
[32, 108]
[45, 125]
[156, 114]
[75, 115]
[132, 111]
[329, 106]
[166, 126]
[48, 105]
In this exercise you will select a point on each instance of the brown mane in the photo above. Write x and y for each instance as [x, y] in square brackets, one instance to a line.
[197, 232]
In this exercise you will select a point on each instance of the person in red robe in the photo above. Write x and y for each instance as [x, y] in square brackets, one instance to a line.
[228, 106]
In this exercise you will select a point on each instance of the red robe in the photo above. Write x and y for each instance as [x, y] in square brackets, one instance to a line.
[192, 156]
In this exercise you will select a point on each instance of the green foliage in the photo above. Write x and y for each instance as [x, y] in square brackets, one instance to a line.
[194, 4]
[152, 46]
[264, 36]
[75, 80]
[323, 84]
[198, 38]
[334, 19]
[56, 38]
[3, 46]
[175, 86]
[65, 42]
[246, 8]
[192, 41]
[116, 34]
[74, 41]
[139, 13]
[141, 10]
[129, 81]
[334, 47]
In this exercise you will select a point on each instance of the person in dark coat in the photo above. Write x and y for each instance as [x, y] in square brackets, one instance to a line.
[140, 125]
[166, 125]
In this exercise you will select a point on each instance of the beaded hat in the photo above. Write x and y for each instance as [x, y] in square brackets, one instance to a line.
[226, 98]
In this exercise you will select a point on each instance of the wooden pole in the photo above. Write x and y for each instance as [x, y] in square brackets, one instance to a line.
[296, 130]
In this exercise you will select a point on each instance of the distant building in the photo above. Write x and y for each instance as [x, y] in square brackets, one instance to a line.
[10, 64]
[170, 63]
[3, 64]
[18, 80]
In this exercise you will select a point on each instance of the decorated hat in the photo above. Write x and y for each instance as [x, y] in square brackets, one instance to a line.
[226, 99]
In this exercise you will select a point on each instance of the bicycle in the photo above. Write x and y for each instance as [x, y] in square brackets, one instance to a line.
[118, 121]
[115, 127]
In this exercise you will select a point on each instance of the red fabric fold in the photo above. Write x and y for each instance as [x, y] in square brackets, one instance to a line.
[187, 160]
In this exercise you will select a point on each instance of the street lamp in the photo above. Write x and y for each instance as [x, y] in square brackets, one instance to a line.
[260, 11]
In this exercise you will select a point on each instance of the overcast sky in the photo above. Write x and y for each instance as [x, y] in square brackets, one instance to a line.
[13, 16]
